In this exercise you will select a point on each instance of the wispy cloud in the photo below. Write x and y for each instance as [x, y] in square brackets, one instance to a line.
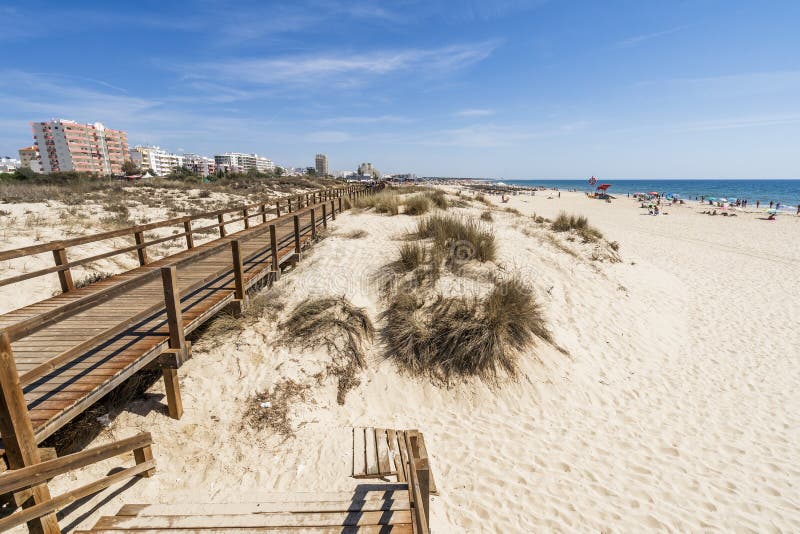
[745, 121]
[636, 39]
[344, 68]
[474, 112]
[366, 119]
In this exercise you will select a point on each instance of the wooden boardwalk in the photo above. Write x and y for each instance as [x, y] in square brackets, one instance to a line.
[72, 349]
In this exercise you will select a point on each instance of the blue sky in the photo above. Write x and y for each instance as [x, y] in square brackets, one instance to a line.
[512, 89]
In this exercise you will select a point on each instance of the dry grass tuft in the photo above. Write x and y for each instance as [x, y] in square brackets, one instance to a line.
[565, 223]
[355, 234]
[438, 199]
[270, 409]
[412, 255]
[387, 201]
[487, 216]
[458, 239]
[417, 205]
[461, 337]
[343, 329]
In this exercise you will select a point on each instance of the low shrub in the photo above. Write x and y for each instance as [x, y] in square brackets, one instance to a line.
[487, 216]
[384, 202]
[438, 198]
[412, 255]
[579, 223]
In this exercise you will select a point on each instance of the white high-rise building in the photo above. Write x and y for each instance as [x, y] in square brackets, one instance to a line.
[69, 146]
[157, 160]
[240, 162]
[199, 164]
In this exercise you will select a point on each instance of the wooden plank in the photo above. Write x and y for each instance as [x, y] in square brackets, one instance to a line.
[373, 504]
[381, 441]
[371, 452]
[359, 451]
[401, 443]
[398, 528]
[322, 519]
[394, 456]
[424, 453]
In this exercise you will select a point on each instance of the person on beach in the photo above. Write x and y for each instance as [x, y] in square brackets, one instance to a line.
[758, 203]
[770, 204]
[778, 206]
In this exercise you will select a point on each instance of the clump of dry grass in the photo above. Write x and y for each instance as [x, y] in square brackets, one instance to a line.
[579, 223]
[270, 409]
[513, 211]
[343, 329]
[464, 336]
[458, 239]
[438, 199]
[487, 216]
[355, 234]
[263, 305]
[417, 205]
[387, 201]
[412, 255]
[480, 197]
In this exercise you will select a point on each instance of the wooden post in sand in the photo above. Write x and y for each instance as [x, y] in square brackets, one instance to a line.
[297, 235]
[18, 438]
[324, 215]
[64, 276]
[238, 277]
[177, 341]
[273, 247]
[221, 220]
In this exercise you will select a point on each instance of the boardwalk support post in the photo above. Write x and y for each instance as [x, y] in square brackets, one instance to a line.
[65, 276]
[18, 438]
[221, 221]
[313, 225]
[263, 210]
[324, 215]
[333, 211]
[240, 295]
[177, 341]
[187, 227]
[246, 218]
[273, 247]
[142, 250]
[297, 247]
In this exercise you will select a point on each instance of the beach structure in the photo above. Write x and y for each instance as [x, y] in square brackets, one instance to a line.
[63, 354]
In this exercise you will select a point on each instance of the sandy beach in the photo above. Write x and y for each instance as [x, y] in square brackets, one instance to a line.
[674, 403]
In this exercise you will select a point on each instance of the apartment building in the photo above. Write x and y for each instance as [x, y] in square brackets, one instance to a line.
[240, 162]
[321, 164]
[66, 145]
[199, 164]
[157, 160]
[29, 158]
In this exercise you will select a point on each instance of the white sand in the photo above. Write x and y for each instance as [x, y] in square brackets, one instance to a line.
[677, 408]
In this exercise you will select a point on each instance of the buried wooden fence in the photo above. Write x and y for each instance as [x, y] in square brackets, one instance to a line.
[61, 355]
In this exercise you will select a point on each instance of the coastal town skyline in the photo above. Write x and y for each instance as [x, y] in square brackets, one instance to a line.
[511, 89]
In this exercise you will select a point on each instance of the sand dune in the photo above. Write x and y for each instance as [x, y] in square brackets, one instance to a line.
[676, 408]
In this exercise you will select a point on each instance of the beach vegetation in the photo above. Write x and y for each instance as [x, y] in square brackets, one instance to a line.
[341, 328]
[417, 205]
[487, 216]
[270, 410]
[355, 234]
[386, 201]
[457, 337]
[578, 223]
[458, 239]
[412, 255]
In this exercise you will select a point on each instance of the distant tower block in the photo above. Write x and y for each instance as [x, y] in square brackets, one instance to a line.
[321, 164]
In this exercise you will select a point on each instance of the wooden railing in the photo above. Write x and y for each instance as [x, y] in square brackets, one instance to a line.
[419, 481]
[39, 511]
[60, 248]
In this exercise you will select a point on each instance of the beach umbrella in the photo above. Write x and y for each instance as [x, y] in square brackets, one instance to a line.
[712, 199]
[723, 199]
[773, 211]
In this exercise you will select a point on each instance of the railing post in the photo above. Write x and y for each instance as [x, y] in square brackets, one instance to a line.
[297, 234]
[18, 438]
[263, 213]
[239, 292]
[177, 341]
[278, 208]
[246, 217]
[289, 202]
[313, 225]
[221, 220]
[340, 204]
[142, 250]
[142, 455]
[273, 247]
[65, 276]
[187, 227]
[324, 215]
[333, 210]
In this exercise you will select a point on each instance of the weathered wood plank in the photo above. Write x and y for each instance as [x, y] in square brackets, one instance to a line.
[381, 441]
[372, 452]
[323, 519]
[359, 451]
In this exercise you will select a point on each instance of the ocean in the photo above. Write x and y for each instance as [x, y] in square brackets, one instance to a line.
[787, 192]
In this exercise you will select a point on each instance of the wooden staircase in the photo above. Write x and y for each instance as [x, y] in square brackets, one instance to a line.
[372, 508]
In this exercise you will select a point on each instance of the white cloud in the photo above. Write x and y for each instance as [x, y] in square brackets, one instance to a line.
[474, 113]
[304, 70]
[367, 120]
[636, 39]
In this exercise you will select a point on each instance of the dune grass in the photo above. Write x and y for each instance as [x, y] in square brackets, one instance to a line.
[417, 205]
[387, 201]
[412, 255]
[578, 223]
[438, 199]
[340, 327]
[487, 216]
[462, 336]
[458, 239]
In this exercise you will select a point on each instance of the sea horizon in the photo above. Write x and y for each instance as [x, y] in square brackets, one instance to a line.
[784, 191]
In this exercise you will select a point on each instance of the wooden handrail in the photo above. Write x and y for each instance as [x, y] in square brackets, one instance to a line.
[40, 473]
[28, 326]
[82, 240]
